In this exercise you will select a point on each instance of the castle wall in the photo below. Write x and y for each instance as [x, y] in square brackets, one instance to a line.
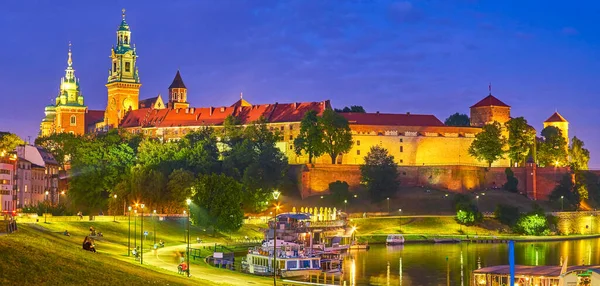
[315, 179]
[487, 114]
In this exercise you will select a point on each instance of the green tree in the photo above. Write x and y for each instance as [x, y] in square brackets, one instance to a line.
[380, 174]
[467, 212]
[337, 137]
[353, 108]
[565, 193]
[310, 139]
[217, 202]
[458, 119]
[511, 181]
[179, 186]
[339, 191]
[63, 146]
[533, 224]
[9, 141]
[578, 156]
[200, 152]
[521, 138]
[507, 214]
[552, 150]
[488, 144]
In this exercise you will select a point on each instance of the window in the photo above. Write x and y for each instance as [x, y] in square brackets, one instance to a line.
[291, 127]
[401, 161]
[401, 148]
[26, 188]
[291, 147]
[73, 120]
[126, 40]
[357, 152]
[115, 67]
[401, 140]
[127, 66]
[291, 137]
[357, 142]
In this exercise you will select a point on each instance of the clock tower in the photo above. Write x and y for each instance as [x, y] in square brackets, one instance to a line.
[123, 82]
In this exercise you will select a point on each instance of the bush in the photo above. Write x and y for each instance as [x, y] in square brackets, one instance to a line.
[511, 181]
[466, 217]
[462, 201]
[533, 224]
[507, 215]
[339, 191]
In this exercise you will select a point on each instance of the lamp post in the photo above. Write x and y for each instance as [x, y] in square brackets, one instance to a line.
[388, 204]
[345, 206]
[142, 239]
[477, 198]
[135, 228]
[188, 201]
[276, 194]
[400, 211]
[115, 213]
[154, 222]
[561, 203]
[129, 233]
[46, 214]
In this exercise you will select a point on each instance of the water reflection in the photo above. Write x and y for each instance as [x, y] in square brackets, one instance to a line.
[426, 264]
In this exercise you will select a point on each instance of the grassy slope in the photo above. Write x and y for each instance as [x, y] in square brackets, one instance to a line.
[32, 257]
[415, 201]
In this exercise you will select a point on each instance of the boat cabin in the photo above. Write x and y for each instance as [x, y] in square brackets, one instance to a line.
[580, 275]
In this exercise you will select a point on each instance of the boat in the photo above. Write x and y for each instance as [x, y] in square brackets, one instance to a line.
[292, 260]
[446, 240]
[331, 262]
[394, 239]
[360, 246]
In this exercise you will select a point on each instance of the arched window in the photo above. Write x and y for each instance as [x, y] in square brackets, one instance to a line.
[73, 120]
[126, 40]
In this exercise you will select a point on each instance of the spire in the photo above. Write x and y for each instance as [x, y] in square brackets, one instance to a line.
[70, 72]
[177, 81]
[123, 13]
[70, 61]
[241, 95]
[490, 88]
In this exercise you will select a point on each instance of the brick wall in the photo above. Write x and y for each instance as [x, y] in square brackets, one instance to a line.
[314, 180]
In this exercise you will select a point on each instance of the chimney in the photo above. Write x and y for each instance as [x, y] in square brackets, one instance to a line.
[222, 109]
[295, 105]
[193, 109]
[211, 109]
[177, 111]
[377, 112]
[187, 110]
[408, 113]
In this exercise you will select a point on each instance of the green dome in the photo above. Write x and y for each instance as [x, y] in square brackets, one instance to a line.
[124, 26]
[50, 107]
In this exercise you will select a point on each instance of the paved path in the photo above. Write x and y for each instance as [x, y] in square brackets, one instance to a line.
[165, 259]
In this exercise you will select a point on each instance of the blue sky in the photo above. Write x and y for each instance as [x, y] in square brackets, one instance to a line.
[433, 57]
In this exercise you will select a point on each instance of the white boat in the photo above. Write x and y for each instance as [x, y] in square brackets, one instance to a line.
[292, 260]
[394, 239]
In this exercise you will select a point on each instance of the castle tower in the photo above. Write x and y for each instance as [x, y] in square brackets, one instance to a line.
[68, 113]
[178, 93]
[559, 122]
[488, 110]
[123, 78]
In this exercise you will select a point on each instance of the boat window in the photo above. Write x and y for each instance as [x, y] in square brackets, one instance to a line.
[305, 264]
[293, 264]
[316, 264]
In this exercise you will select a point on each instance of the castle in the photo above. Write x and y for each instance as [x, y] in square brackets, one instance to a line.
[413, 139]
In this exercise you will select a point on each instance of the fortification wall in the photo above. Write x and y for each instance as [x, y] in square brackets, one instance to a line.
[315, 179]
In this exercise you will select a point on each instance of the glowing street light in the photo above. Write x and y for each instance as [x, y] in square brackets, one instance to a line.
[561, 203]
[400, 211]
[115, 213]
[188, 202]
[141, 239]
[46, 214]
[154, 222]
[276, 195]
[345, 206]
[129, 233]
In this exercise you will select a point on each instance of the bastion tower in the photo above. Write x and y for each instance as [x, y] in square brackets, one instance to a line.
[123, 78]
[488, 110]
[559, 122]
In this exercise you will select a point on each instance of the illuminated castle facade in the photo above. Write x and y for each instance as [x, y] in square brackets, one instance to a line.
[413, 139]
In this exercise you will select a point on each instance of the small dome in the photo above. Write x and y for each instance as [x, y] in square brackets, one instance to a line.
[50, 107]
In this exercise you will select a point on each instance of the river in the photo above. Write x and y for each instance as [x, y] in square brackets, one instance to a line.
[426, 264]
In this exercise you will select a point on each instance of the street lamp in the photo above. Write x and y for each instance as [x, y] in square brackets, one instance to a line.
[141, 234]
[345, 206]
[388, 204]
[154, 222]
[135, 228]
[188, 201]
[477, 198]
[115, 213]
[129, 233]
[561, 203]
[400, 211]
[46, 214]
[276, 195]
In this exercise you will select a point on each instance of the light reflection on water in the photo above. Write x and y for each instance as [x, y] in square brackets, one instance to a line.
[426, 264]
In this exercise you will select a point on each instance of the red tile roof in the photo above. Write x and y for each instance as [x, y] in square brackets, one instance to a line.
[392, 119]
[278, 112]
[556, 117]
[148, 102]
[94, 116]
[490, 100]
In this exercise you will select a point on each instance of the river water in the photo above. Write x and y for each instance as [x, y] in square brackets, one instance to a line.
[431, 264]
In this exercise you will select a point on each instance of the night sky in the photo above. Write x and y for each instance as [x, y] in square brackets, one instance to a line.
[432, 57]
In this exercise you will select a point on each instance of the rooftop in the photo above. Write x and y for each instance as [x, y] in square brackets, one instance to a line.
[490, 100]
[556, 117]
[177, 81]
[404, 119]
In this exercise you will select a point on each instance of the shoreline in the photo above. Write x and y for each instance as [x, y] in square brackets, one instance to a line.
[410, 238]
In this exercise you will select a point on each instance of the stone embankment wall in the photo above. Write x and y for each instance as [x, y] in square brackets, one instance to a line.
[537, 183]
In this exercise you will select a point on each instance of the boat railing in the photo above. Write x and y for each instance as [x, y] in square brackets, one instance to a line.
[331, 223]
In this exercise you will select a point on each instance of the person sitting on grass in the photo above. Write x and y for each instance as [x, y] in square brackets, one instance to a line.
[92, 231]
[66, 233]
[136, 252]
[161, 243]
[88, 244]
[182, 268]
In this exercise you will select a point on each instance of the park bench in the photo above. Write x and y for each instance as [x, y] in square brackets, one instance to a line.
[195, 253]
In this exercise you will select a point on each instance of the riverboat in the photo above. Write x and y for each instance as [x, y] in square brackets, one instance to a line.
[394, 239]
[580, 275]
[292, 260]
[360, 246]
[331, 262]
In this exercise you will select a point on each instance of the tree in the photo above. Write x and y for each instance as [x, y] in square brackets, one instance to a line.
[533, 224]
[565, 193]
[521, 138]
[507, 214]
[511, 181]
[199, 151]
[380, 174]
[552, 150]
[488, 144]
[9, 141]
[217, 202]
[467, 212]
[310, 139]
[353, 108]
[339, 191]
[337, 137]
[63, 146]
[578, 156]
[458, 119]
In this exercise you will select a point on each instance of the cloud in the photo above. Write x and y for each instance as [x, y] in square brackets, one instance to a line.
[569, 31]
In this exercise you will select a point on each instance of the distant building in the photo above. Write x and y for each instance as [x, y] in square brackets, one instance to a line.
[8, 200]
[44, 173]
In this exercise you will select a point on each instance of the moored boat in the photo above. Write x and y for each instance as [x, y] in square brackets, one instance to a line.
[394, 239]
